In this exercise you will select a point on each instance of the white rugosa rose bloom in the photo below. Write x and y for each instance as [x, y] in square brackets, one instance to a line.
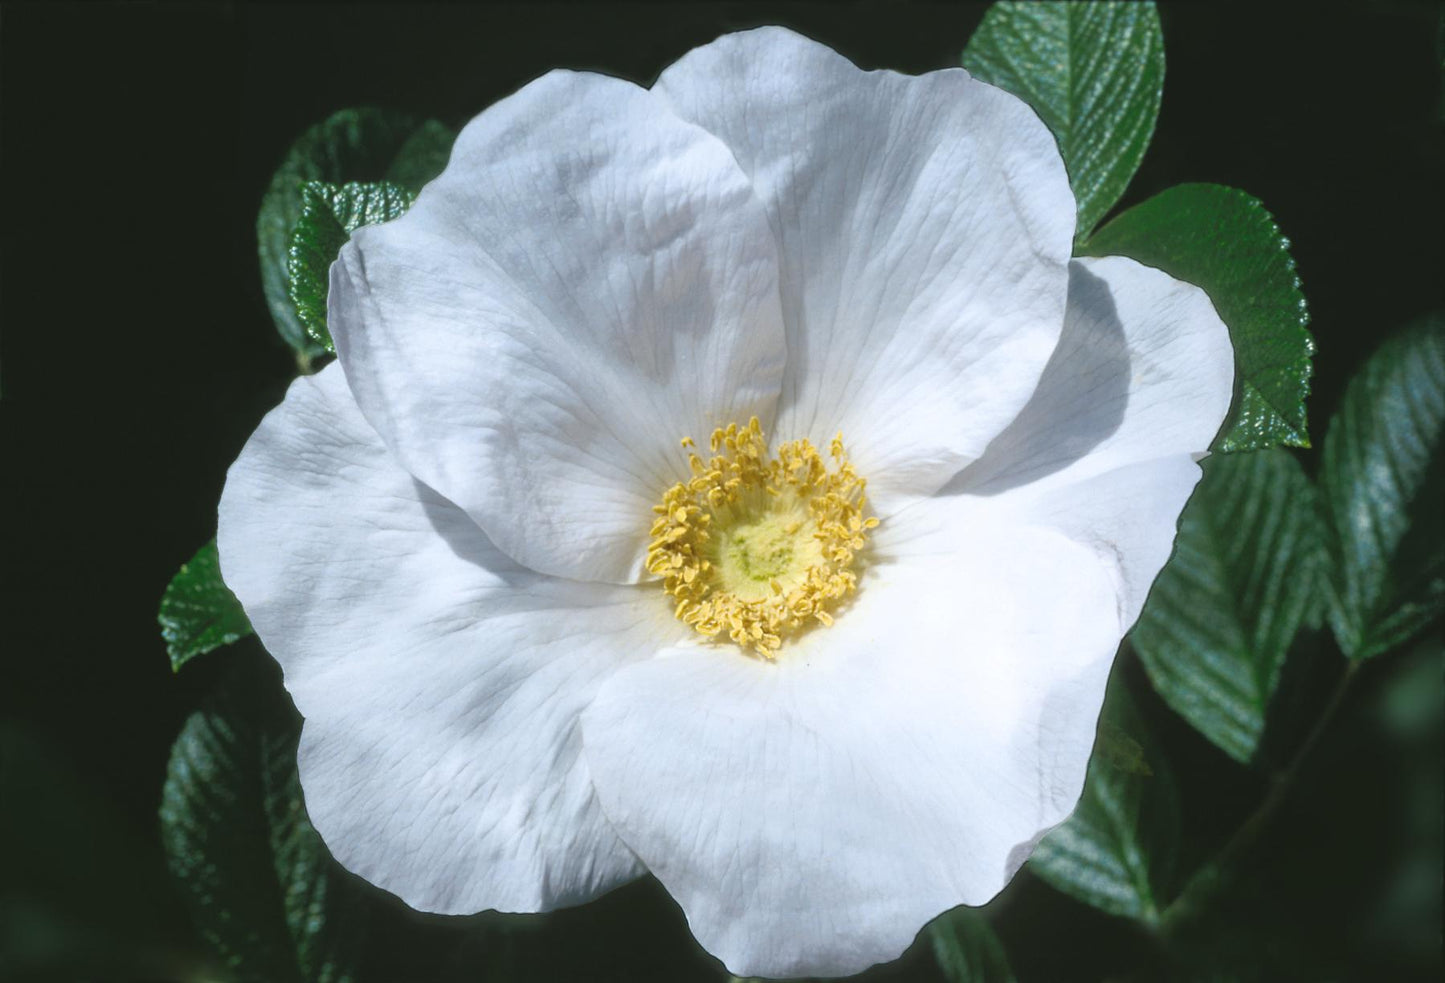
[830, 670]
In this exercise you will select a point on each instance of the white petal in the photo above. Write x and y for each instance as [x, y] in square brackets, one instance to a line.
[811, 815]
[1105, 449]
[1129, 516]
[590, 280]
[924, 226]
[440, 683]
[1144, 370]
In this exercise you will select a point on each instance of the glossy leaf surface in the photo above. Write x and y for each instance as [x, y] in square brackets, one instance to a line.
[1383, 478]
[366, 144]
[1223, 240]
[329, 214]
[1247, 573]
[1094, 72]
[198, 611]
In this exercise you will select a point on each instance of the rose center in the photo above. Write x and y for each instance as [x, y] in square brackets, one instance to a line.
[759, 552]
[759, 546]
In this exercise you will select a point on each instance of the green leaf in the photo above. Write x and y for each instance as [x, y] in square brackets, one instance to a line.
[422, 156]
[1223, 240]
[329, 214]
[198, 611]
[1119, 751]
[352, 145]
[1247, 573]
[1116, 852]
[260, 884]
[1094, 72]
[1383, 478]
[967, 949]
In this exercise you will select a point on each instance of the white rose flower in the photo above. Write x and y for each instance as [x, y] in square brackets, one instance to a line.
[543, 645]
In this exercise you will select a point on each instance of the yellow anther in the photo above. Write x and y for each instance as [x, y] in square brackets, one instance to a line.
[757, 546]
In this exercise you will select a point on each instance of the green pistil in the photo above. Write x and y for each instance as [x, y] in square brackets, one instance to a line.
[763, 551]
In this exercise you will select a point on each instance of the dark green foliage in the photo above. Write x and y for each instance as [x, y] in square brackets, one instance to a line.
[262, 888]
[366, 144]
[1383, 478]
[329, 214]
[1116, 852]
[422, 156]
[198, 611]
[1094, 72]
[1247, 573]
[1223, 240]
[967, 949]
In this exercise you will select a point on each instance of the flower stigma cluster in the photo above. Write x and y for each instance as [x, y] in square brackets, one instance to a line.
[759, 546]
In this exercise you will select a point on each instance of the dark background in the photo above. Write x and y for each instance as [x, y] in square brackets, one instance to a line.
[137, 355]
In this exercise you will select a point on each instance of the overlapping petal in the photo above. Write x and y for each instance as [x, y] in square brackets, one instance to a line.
[1128, 516]
[1143, 370]
[924, 227]
[440, 682]
[1134, 395]
[812, 815]
[590, 280]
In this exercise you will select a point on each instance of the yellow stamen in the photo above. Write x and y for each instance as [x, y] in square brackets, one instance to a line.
[757, 546]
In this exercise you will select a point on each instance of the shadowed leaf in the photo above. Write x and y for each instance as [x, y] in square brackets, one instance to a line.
[1383, 478]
